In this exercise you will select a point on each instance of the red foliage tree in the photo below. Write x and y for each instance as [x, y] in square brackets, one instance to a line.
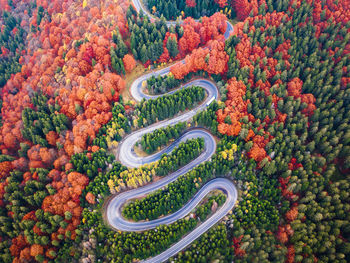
[292, 214]
[18, 243]
[212, 59]
[90, 198]
[295, 87]
[36, 249]
[189, 41]
[282, 235]
[290, 254]
[221, 3]
[129, 62]
[191, 3]
[237, 246]
[244, 7]
[5, 169]
[257, 153]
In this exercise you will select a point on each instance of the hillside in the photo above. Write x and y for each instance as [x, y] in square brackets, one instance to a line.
[178, 131]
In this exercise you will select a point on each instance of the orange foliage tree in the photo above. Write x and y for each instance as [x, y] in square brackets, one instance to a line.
[212, 59]
[129, 62]
[221, 3]
[36, 249]
[5, 169]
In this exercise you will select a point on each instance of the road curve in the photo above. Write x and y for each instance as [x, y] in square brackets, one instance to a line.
[129, 158]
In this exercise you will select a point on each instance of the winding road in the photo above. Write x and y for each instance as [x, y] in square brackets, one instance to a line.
[128, 158]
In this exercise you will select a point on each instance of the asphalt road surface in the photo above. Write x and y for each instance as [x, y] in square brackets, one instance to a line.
[128, 158]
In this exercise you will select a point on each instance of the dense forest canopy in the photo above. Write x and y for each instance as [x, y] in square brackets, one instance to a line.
[171, 10]
[281, 124]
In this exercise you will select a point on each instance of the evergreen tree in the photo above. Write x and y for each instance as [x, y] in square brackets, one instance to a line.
[144, 54]
[172, 47]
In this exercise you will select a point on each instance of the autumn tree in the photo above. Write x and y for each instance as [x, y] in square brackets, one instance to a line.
[129, 62]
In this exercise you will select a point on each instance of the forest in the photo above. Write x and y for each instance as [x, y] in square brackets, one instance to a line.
[167, 201]
[171, 10]
[154, 110]
[151, 142]
[280, 123]
[162, 84]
